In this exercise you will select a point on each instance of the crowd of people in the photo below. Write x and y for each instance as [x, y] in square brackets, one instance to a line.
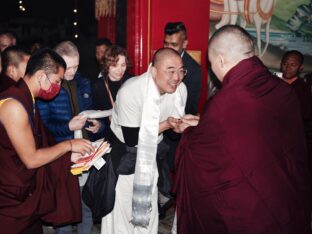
[243, 165]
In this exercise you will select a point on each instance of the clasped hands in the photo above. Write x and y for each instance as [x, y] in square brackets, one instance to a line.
[179, 125]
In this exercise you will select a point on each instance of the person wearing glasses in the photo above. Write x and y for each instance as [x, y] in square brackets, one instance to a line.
[175, 37]
[145, 107]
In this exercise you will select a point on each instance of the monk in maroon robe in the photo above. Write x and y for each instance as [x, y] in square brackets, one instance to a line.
[14, 61]
[35, 181]
[6, 82]
[244, 169]
[291, 66]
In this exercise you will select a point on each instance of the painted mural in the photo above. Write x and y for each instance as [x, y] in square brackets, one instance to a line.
[277, 25]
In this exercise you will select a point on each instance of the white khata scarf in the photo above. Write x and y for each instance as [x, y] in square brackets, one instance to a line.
[146, 154]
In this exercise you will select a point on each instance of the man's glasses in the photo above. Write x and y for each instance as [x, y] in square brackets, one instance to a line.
[180, 72]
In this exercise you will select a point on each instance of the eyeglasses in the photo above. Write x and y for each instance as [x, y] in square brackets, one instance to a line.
[180, 72]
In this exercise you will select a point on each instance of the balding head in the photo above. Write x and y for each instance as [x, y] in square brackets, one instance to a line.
[163, 54]
[227, 47]
[167, 70]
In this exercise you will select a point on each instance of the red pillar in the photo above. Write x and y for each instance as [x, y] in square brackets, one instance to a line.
[146, 20]
[107, 28]
[138, 34]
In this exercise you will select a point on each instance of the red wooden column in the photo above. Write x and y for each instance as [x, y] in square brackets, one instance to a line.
[138, 34]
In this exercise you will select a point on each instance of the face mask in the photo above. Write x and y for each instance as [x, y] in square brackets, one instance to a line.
[49, 94]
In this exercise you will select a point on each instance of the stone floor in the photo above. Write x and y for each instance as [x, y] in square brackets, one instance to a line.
[164, 225]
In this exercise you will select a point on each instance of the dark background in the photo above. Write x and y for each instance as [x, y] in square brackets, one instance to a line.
[48, 21]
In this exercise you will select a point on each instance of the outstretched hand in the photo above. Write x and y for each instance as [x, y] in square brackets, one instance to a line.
[81, 146]
[187, 121]
[191, 120]
[77, 122]
[173, 122]
[75, 157]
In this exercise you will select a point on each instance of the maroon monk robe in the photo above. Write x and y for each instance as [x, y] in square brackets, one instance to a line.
[6, 82]
[305, 99]
[243, 169]
[48, 193]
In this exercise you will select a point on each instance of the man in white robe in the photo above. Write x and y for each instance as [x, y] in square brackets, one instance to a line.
[145, 106]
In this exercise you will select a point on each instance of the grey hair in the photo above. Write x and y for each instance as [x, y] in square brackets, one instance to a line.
[67, 48]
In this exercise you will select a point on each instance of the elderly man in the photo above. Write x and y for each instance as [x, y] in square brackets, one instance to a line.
[14, 61]
[138, 119]
[35, 183]
[61, 115]
[243, 169]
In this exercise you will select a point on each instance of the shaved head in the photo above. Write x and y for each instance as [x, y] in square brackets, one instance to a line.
[163, 53]
[227, 47]
[233, 42]
[167, 70]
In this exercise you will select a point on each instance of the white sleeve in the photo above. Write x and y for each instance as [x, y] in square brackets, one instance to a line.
[129, 108]
[183, 92]
[179, 107]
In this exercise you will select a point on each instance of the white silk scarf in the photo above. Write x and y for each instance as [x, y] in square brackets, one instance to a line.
[146, 155]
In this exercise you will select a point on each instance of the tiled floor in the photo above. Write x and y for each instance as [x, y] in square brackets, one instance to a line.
[164, 225]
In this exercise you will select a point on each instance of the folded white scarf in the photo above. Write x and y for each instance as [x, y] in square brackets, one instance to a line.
[92, 114]
[147, 149]
[146, 155]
